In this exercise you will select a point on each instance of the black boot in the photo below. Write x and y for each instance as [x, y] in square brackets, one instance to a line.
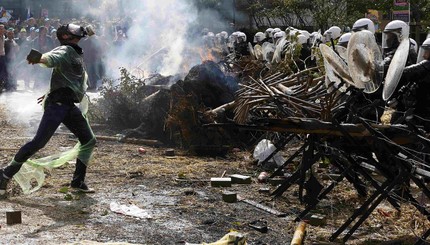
[3, 184]
[78, 181]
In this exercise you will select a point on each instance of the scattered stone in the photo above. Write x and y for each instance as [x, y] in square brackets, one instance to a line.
[262, 178]
[221, 182]
[189, 192]
[13, 217]
[259, 225]
[142, 150]
[264, 190]
[240, 179]
[169, 152]
[230, 197]
[317, 219]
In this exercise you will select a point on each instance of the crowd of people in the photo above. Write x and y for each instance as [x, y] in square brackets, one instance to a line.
[18, 38]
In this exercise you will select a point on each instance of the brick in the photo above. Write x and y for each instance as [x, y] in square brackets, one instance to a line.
[230, 197]
[221, 182]
[169, 152]
[317, 220]
[240, 179]
[13, 217]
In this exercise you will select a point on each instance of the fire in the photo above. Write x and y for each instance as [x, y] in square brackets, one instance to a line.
[207, 54]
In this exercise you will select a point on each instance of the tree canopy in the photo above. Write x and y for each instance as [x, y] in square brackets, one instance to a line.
[316, 13]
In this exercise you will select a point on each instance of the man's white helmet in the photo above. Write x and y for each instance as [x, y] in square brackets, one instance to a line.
[276, 30]
[333, 32]
[269, 32]
[315, 37]
[344, 39]
[425, 47]
[224, 34]
[241, 37]
[279, 34]
[232, 39]
[414, 44]
[364, 24]
[302, 39]
[426, 44]
[305, 33]
[259, 37]
[395, 32]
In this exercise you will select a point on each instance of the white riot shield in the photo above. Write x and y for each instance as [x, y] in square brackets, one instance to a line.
[251, 50]
[342, 51]
[280, 47]
[330, 77]
[334, 62]
[268, 50]
[258, 51]
[365, 61]
[420, 55]
[395, 70]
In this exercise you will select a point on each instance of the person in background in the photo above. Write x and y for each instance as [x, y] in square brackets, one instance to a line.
[3, 68]
[11, 52]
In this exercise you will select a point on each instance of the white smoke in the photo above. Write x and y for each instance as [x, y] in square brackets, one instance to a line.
[22, 108]
[156, 38]
[159, 36]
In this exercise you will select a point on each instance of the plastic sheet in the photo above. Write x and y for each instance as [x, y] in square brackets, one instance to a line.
[263, 150]
[131, 210]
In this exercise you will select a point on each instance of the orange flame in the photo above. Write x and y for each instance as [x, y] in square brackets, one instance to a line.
[207, 55]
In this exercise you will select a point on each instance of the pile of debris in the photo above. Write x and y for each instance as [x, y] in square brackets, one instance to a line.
[172, 113]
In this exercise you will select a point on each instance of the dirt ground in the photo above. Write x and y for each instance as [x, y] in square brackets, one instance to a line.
[176, 192]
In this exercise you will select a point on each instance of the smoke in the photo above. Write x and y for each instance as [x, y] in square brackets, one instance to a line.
[159, 34]
[160, 37]
[22, 108]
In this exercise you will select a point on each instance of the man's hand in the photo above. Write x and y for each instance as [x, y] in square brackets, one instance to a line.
[40, 99]
[34, 57]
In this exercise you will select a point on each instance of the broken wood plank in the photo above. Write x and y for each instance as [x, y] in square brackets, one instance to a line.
[396, 133]
[123, 140]
[9, 149]
[299, 234]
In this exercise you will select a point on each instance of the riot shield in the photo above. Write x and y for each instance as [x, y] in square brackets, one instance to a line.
[268, 50]
[395, 69]
[334, 62]
[280, 47]
[342, 51]
[330, 77]
[258, 51]
[420, 55]
[365, 61]
[251, 50]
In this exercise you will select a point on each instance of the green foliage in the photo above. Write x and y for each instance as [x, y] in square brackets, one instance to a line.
[119, 104]
[325, 13]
